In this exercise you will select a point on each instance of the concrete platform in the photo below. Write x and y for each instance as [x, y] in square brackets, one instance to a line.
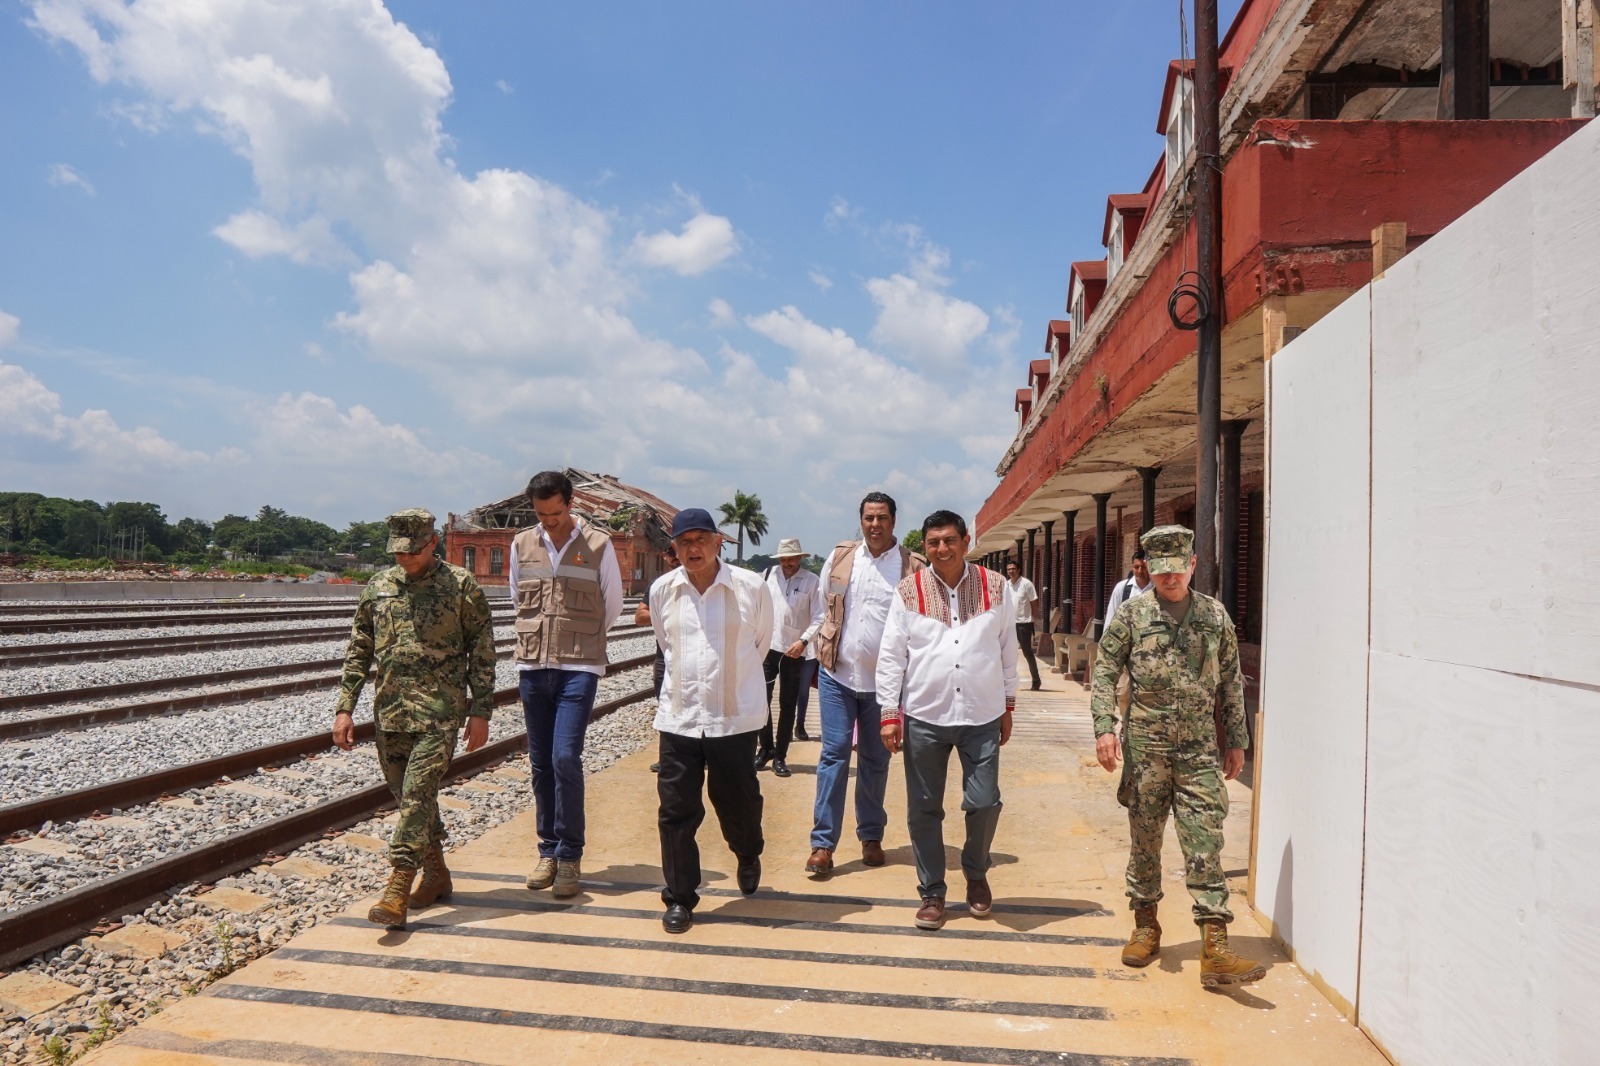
[804, 971]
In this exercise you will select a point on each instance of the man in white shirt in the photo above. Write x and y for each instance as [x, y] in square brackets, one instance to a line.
[797, 612]
[1024, 595]
[1130, 586]
[568, 591]
[949, 658]
[715, 624]
[859, 577]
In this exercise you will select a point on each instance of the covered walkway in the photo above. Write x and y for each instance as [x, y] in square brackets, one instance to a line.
[802, 972]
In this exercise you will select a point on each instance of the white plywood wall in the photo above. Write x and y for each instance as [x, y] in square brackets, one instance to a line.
[1477, 702]
[1314, 674]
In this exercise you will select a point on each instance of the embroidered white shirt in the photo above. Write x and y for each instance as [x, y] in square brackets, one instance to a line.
[715, 645]
[958, 674]
[798, 607]
[866, 609]
[610, 591]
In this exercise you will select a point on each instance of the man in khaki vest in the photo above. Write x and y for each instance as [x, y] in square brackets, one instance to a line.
[858, 586]
[568, 591]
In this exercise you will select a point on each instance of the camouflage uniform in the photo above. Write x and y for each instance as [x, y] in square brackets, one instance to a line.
[433, 640]
[1170, 736]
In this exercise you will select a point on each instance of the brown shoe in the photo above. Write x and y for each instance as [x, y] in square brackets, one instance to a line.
[567, 880]
[1218, 964]
[1145, 943]
[390, 911]
[931, 914]
[544, 874]
[979, 899]
[435, 884]
[821, 863]
[872, 852]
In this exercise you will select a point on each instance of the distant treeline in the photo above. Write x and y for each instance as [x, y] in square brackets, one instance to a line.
[84, 529]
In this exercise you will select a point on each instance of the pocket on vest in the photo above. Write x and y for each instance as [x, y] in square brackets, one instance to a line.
[530, 595]
[530, 639]
[580, 638]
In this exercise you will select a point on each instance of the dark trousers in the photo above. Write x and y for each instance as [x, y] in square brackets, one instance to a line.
[789, 673]
[726, 765]
[927, 751]
[1025, 639]
[556, 705]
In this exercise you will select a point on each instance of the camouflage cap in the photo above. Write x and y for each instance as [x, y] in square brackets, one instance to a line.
[410, 529]
[1167, 549]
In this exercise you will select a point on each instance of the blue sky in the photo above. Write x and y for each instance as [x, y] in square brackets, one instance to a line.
[343, 258]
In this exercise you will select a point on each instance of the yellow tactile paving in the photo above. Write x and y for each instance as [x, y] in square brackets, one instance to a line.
[804, 971]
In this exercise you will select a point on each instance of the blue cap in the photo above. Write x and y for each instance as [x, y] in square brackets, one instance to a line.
[692, 518]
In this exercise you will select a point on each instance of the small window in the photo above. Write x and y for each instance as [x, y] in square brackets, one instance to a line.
[497, 561]
[469, 559]
[1180, 128]
[1114, 249]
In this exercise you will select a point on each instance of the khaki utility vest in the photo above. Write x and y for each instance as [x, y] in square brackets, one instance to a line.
[837, 574]
[560, 610]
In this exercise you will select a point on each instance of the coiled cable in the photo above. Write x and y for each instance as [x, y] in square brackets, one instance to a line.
[1199, 299]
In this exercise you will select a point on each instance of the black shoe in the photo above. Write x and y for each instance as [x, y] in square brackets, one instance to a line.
[655, 768]
[780, 768]
[678, 919]
[801, 734]
[1037, 686]
[749, 875]
[762, 760]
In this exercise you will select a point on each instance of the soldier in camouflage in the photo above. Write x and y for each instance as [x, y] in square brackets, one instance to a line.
[427, 626]
[1182, 657]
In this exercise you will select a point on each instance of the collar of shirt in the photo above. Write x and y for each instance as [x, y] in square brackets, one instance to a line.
[680, 580]
[550, 545]
[953, 592]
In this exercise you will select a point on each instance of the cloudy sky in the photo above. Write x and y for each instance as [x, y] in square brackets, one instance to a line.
[343, 257]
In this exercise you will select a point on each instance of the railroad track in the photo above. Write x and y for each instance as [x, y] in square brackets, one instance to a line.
[51, 723]
[39, 927]
[73, 651]
[8, 610]
[12, 626]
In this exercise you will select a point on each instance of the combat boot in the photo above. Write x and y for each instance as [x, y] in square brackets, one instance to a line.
[1218, 964]
[435, 884]
[1145, 943]
[391, 909]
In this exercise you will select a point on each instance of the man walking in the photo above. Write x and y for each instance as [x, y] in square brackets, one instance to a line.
[427, 626]
[715, 623]
[1132, 585]
[1181, 654]
[568, 592]
[1024, 595]
[949, 658]
[861, 576]
[797, 612]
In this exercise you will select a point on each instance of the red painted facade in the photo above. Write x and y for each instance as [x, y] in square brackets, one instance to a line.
[1300, 201]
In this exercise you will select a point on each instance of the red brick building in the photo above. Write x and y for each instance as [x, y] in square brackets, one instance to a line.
[1329, 139]
[480, 540]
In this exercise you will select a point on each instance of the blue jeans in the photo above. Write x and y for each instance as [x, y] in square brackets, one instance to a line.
[808, 672]
[844, 710]
[556, 706]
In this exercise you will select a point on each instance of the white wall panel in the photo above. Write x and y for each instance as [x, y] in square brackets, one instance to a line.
[1481, 938]
[1308, 844]
[1486, 431]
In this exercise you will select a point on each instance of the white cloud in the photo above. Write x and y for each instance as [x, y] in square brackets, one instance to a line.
[839, 212]
[63, 175]
[820, 280]
[9, 325]
[722, 315]
[504, 86]
[29, 409]
[916, 316]
[704, 242]
[258, 235]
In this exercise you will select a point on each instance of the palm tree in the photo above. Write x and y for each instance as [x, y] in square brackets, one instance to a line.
[744, 514]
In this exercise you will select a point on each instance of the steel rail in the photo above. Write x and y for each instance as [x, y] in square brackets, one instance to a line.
[79, 803]
[133, 647]
[15, 626]
[53, 723]
[9, 609]
[41, 926]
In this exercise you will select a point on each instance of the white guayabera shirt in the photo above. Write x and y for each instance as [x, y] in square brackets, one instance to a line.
[715, 644]
[950, 673]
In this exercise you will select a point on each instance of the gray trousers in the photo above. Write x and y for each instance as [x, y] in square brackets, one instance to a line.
[927, 751]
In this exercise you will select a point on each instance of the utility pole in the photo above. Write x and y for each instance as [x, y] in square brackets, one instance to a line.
[1208, 225]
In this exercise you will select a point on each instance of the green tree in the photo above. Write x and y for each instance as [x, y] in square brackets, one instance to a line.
[912, 541]
[367, 541]
[744, 515]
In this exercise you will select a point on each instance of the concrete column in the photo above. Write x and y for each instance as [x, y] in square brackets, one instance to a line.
[1098, 604]
[1022, 568]
[1148, 475]
[1029, 568]
[1047, 583]
[1069, 558]
[1228, 571]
